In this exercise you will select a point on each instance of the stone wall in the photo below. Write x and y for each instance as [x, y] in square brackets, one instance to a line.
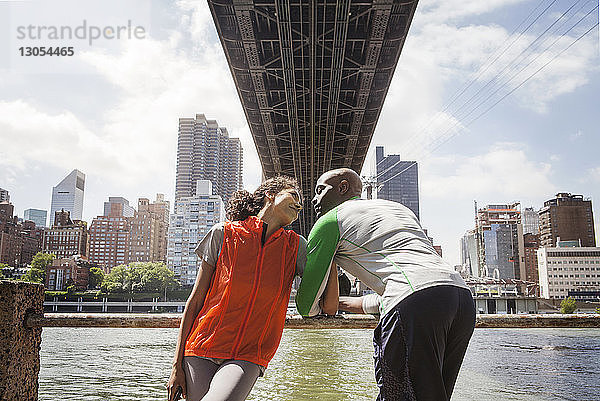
[19, 345]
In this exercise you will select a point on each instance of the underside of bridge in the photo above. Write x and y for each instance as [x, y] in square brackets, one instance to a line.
[312, 77]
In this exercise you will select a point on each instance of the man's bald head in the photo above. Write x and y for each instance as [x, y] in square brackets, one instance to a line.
[335, 187]
[337, 175]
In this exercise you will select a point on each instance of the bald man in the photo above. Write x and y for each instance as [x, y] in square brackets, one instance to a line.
[427, 311]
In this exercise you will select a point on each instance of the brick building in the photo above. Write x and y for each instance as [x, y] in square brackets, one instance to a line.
[66, 271]
[109, 239]
[19, 242]
[148, 231]
[531, 243]
[568, 217]
[66, 237]
[125, 235]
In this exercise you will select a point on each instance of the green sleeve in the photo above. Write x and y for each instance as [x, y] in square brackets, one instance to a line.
[322, 244]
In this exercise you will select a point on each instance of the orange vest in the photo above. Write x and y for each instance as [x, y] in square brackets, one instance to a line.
[244, 310]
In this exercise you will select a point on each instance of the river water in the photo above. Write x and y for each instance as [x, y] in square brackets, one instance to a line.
[327, 365]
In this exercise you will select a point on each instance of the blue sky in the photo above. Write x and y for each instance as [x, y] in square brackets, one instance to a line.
[112, 109]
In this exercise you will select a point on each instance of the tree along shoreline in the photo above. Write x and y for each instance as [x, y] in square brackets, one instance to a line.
[139, 281]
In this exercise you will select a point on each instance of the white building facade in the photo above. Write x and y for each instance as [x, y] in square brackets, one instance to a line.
[193, 217]
[569, 271]
[68, 196]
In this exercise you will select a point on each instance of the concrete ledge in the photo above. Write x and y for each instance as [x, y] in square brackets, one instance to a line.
[297, 322]
[547, 320]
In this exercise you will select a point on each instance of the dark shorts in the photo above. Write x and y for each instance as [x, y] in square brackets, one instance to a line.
[421, 342]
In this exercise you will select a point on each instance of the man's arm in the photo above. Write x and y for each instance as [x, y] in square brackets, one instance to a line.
[331, 296]
[322, 244]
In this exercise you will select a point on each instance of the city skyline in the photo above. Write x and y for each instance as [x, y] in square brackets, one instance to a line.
[537, 142]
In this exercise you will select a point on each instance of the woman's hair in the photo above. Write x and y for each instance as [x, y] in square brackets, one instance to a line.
[244, 204]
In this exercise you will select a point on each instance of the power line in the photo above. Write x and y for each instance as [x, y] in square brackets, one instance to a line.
[524, 81]
[457, 124]
[537, 71]
[487, 65]
[509, 66]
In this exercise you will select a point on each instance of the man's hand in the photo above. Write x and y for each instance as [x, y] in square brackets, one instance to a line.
[351, 304]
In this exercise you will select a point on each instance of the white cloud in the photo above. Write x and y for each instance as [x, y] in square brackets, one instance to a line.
[593, 174]
[153, 82]
[414, 116]
[443, 10]
[200, 21]
[439, 52]
[161, 81]
[562, 75]
[62, 140]
[555, 158]
[449, 185]
[504, 173]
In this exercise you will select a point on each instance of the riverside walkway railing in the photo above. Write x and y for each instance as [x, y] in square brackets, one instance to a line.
[22, 320]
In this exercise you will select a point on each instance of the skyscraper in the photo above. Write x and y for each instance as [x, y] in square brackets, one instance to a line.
[531, 221]
[68, 196]
[4, 195]
[38, 216]
[205, 152]
[192, 219]
[498, 240]
[468, 253]
[397, 180]
[568, 217]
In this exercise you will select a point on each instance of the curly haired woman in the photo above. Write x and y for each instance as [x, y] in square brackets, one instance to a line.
[233, 320]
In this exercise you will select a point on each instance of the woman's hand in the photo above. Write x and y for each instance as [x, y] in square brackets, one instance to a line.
[177, 379]
[190, 312]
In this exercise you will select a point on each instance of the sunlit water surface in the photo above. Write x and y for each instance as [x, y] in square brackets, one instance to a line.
[327, 365]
